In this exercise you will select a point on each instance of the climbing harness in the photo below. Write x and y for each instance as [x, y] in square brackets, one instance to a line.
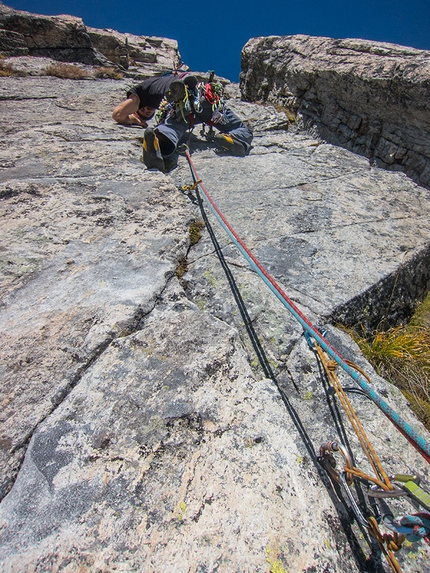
[184, 103]
[380, 486]
[177, 105]
[181, 104]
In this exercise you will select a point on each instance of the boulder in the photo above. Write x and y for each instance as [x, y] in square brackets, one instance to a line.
[370, 97]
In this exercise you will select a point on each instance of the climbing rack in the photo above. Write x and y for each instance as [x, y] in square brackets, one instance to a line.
[380, 486]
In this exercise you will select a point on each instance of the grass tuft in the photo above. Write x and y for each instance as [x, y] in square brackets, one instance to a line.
[7, 70]
[66, 71]
[401, 355]
[105, 73]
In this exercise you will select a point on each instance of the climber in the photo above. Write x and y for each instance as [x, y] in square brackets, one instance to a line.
[188, 103]
[144, 99]
[184, 103]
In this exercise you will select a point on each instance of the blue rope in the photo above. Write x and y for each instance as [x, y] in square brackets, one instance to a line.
[414, 527]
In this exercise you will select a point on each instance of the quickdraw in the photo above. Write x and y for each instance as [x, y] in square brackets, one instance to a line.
[184, 106]
[380, 486]
[213, 92]
[191, 187]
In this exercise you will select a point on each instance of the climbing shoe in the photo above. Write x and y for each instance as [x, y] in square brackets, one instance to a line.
[152, 156]
[170, 163]
[225, 142]
[177, 91]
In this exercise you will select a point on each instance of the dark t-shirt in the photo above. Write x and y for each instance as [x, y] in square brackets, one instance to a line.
[151, 91]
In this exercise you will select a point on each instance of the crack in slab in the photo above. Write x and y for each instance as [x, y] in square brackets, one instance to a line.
[24, 98]
[136, 324]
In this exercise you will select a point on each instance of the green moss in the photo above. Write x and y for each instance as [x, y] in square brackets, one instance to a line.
[210, 277]
[195, 230]
[181, 267]
[201, 304]
[194, 236]
[182, 510]
[276, 565]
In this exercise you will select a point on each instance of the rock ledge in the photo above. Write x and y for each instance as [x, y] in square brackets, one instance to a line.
[372, 98]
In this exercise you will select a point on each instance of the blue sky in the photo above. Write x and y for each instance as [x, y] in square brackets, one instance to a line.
[212, 34]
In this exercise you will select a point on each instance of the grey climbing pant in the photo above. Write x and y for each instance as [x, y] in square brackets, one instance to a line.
[174, 130]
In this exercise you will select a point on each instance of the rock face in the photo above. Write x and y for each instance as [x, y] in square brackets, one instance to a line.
[62, 38]
[12, 43]
[67, 39]
[153, 55]
[372, 98]
[161, 410]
